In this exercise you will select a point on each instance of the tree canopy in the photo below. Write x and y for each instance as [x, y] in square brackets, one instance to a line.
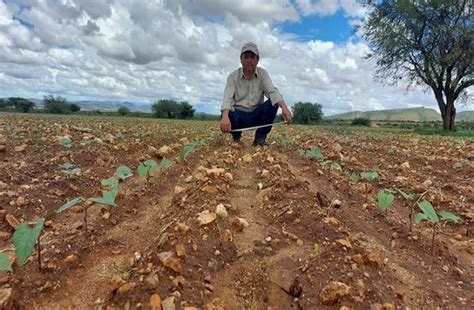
[59, 105]
[307, 112]
[427, 43]
[166, 108]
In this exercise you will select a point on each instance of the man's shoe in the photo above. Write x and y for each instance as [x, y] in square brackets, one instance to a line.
[259, 143]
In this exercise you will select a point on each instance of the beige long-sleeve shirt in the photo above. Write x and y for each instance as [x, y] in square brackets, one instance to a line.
[246, 95]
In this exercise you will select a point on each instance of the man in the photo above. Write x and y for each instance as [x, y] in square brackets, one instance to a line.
[243, 104]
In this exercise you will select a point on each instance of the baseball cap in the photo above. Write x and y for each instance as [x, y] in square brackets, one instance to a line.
[249, 47]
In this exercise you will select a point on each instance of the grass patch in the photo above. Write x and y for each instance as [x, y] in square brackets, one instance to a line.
[440, 132]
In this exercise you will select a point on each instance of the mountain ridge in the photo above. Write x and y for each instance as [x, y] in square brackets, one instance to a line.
[420, 114]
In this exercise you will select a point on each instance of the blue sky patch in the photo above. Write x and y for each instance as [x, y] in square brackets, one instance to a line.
[333, 28]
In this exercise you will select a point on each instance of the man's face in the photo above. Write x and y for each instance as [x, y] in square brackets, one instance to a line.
[249, 62]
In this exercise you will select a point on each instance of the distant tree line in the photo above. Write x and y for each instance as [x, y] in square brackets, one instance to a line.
[53, 105]
[16, 104]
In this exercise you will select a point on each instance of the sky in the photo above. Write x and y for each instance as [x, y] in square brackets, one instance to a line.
[146, 50]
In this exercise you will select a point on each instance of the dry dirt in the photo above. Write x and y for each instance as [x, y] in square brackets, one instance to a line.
[234, 226]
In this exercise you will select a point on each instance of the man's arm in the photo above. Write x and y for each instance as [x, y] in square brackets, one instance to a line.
[284, 111]
[229, 93]
[225, 121]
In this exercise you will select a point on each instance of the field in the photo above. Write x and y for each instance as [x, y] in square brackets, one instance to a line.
[299, 224]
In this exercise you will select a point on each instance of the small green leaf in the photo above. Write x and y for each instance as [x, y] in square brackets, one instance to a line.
[66, 166]
[385, 199]
[123, 172]
[314, 152]
[458, 165]
[66, 142]
[25, 239]
[316, 248]
[108, 197]
[166, 163]
[354, 177]
[369, 175]
[75, 171]
[448, 216]
[69, 204]
[185, 151]
[146, 167]
[419, 217]
[112, 181]
[407, 196]
[5, 263]
[429, 211]
[336, 166]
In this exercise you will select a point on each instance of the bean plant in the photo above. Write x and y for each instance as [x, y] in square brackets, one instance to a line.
[437, 219]
[27, 235]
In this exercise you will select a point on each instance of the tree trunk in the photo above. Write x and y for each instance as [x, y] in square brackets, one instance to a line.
[448, 111]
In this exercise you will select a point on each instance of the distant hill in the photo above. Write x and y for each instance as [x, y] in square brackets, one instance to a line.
[466, 116]
[410, 114]
[91, 105]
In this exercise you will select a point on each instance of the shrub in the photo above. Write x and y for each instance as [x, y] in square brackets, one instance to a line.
[361, 121]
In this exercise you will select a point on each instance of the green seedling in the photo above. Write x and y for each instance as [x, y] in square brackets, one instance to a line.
[70, 169]
[123, 172]
[429, 214]
[112, 181]
[314, 152]
[316, 248]
[5, 264]
[354, 177]
[66, 142]
[146, 167]
[458, 165]
[189, 148]
[385, 199]
[368, 176]
[26, 236]
[108, 197]
[166, 163]
[120, 136]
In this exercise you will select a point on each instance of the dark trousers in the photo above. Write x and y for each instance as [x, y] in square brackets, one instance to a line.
[264, 114]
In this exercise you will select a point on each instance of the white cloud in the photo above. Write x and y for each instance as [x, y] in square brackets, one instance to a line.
[140, 50]
[321, 7]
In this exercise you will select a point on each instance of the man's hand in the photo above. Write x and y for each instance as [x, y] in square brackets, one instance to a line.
[225, 122]
[285, 111]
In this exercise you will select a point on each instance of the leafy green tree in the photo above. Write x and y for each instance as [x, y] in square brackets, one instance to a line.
[123, 111]
[427, 43]
[21, 104]
[307, 112]
[165, 108]
[55, 105]
[185, 110]
[74, 107]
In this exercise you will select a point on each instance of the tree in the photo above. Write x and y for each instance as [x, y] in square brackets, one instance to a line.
[123, 111]
[74, 107]
[307, 112]
[56, 105]
[21, 104]
[165, 108]
[185, 110]
[428, 43]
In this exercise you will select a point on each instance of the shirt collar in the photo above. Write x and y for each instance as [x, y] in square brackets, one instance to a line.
[242, 73]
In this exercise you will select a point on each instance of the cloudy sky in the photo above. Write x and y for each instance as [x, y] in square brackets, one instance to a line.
[145, 50]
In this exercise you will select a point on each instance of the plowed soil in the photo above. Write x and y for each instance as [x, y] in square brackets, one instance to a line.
[233, 226]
